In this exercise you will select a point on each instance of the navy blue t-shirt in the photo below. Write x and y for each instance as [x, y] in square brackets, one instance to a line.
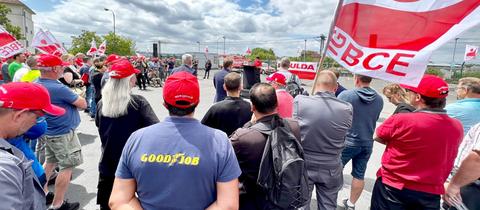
[62, 96]
[177, 163]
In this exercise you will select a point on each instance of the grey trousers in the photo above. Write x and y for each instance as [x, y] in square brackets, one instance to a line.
[328, 181]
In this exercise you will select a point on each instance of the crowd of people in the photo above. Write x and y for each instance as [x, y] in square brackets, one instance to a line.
[179, 162]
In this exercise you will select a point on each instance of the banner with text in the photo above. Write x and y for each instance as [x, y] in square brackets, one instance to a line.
[9, 46]
[304, 70]
[392, 39]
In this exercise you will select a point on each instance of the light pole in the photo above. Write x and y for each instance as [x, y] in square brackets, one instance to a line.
[198, 42]
[305, 52]
[223, 45]
[453, 59]
[114, 34]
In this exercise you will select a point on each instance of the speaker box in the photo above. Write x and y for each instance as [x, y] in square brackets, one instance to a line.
[155, 50]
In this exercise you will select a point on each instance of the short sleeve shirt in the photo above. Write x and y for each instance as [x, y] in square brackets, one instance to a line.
[62, 96]
[177, 163]
[420, 150]
[285, 103]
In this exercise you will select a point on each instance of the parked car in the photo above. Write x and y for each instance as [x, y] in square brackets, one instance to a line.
[267, 69]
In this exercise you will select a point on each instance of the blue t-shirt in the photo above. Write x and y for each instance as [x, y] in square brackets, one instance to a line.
[218, 81]
[177, 163]
[467, 111]
[62, 96]
[367, 105]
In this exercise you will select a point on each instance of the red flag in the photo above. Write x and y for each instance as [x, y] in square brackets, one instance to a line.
[93, 48]
[45, 44]
[248, 51]
[394, 39]
[9, 46]
[471, 52]
[102, 48]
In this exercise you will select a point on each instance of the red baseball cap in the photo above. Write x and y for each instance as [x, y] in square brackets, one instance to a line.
[122, 69]
[32, 96]
[277, 77]
[47, 60]
[112, 58]
[181, 90]
[430, 86]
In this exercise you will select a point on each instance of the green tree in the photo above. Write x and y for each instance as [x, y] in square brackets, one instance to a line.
[82, 42]
[5, 22]
[262, 53]
[119, 45]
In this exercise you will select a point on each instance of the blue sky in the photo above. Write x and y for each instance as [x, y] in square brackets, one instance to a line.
[282, 25]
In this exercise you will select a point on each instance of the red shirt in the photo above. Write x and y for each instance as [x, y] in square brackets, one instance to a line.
[420, 150]
[285, 104]
[257, 63]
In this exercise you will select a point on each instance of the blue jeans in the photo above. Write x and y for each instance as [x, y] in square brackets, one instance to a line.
[359, 156]
[93, 105]
[89, 96]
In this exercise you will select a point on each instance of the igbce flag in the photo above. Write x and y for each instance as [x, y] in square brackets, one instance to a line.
[471, 52]
[45, 44]
[394, 39]
[9, 46]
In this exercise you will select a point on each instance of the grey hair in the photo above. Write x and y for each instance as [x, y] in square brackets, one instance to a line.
[285, 63]
[116, 97]
[470, 83]
[32, 61]
[187, 59]
[45, 69]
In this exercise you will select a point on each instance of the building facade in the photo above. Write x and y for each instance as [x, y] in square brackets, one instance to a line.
[21, 16]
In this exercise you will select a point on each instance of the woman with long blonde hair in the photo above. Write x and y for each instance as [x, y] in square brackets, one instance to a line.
[398, 97]
[119, 114]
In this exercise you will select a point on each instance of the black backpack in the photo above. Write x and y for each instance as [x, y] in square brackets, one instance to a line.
[292, 87]
[282, 173]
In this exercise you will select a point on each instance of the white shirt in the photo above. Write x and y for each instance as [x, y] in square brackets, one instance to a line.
[19, 74]
[470, 142]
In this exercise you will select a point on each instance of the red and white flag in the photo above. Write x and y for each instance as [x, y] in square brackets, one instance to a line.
[42, 42]
[57, 43]
[93, 48]
[394, 39]
[9, 46]
[248, 51]
[471, 52]
[102, 48]
[206, 52]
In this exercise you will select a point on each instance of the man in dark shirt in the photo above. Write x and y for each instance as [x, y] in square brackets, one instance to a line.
[233, 112]
[249, 144]
[218, 80]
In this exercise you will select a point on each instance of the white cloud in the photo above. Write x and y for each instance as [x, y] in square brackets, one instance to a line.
[181, 23]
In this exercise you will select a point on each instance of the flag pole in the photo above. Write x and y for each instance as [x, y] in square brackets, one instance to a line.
[334, 21]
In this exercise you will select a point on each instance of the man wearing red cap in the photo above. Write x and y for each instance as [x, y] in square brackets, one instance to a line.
[61, 144]
[285, 100]
[19, 111]
[178, 163]
[420, 150]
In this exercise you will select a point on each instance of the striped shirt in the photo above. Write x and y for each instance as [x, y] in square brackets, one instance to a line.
[470, 142]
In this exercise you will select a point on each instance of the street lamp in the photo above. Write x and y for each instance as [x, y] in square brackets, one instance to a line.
[114, 35]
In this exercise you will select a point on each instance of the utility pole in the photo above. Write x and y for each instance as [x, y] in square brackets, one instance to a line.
[159, 48]
[198, 42]
[305, 52]
[322, 43]
[223, 45]
[453, 59]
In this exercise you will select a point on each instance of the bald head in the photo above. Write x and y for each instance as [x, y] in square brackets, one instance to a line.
[327, 81]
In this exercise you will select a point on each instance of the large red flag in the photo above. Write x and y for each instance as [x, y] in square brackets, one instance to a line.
[9, 46]
[394, 39]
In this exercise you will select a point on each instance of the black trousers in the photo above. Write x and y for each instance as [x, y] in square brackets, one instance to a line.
[386, 197]
[141, 81]
[104, 190]
[207, 74]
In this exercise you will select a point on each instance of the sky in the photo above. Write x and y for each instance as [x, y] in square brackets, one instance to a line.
[179, 25]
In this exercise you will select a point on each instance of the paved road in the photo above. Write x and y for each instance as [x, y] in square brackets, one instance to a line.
[85, 177]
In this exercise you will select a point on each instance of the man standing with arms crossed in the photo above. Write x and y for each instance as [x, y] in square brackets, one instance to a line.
[61, 144]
